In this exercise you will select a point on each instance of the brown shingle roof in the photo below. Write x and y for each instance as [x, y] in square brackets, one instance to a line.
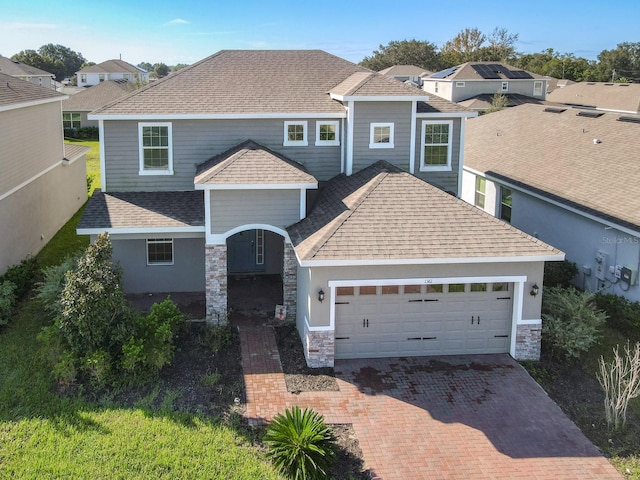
[555, 154]
[365, 84]
[143, 210]
[404, 71]
[254, 82]
[14, 91]
[485, 101]
[111, 66]
[466, 71]
[94, 97]
[249, 164]
[623, 97]
[379, 214]
[73, 151]
[18, 69]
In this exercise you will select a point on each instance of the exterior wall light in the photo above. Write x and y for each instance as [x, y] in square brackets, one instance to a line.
[321, 295]
[535, 290]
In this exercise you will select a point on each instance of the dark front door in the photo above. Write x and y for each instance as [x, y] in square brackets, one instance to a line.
[245, 252]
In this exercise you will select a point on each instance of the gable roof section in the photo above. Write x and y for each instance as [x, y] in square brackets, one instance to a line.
[466, 72]
[18, 69]
[98, 95]
[438, 104]
[370, 84]
[112, 66]
[16, 93]
[621, 97]
[378, 216]
[133, 211]
[555, 155]
[252, 164]
[485, 101]
[73, 152]
[404, 71]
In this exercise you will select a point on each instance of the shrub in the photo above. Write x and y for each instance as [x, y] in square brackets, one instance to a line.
[23, 276]
[559, 274]
[571, 321]
[300, 444]
[623, 314]
[7, 301]
[49, 290]
[620, 381]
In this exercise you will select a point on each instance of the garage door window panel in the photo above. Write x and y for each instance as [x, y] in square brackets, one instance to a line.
[456, 288]
[368, 290]
[435, 288]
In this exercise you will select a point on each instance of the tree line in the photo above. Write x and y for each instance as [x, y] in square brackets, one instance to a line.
[621, 64]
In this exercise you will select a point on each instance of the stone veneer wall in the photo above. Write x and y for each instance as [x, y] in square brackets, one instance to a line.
[216, 283]
[528, 338]
[319, 348]
[289, 280]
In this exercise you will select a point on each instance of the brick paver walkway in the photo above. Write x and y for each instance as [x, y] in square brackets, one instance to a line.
[466, 417]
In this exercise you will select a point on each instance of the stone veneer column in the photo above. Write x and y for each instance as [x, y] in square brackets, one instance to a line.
[216, 283]
[289, 281]
[319, 348]
[528, 338]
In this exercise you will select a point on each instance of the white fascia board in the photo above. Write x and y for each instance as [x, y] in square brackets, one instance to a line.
[532, 321]
[136, 230]
[544, 198]
[32, 103]
[103, 165]
[221, 238]
[431, 261]
[256, 186]
[215, 116]
[447, 115]
[369, 282]
[398, 98]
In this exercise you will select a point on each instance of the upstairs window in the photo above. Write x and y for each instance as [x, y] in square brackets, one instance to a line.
[481, 192]
[436, 145]
[328, 133]
[505, 204]
[156, 150]
[295, 134]
[381, 135]
[537, 88]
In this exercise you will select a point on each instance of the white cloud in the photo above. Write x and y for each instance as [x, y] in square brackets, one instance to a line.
[178, 21]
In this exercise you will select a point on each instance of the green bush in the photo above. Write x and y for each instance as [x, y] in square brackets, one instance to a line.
[570, 321]
[7, 301]
[623, 314]
[23, 276]
[559, 274]
[49, 290]
[300, 444]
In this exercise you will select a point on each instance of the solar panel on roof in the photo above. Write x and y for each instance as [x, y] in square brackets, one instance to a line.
[519, 74]
[444, 73]
[485, 71]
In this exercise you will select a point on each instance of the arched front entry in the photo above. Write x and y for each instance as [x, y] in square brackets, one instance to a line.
[254, 270]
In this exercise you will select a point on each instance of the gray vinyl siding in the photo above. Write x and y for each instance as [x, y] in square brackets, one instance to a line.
[445, 180]
[473, 88]
[195, 141]
[398, 113]
[233, 208]
[185, 275]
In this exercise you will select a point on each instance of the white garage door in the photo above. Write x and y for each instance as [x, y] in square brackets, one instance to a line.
[411, 320]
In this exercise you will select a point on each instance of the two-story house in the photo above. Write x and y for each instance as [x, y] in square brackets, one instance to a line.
[26, 72]
[111, 70]
[204, 177]
[43, 181]
[562, 185]
[473, 84]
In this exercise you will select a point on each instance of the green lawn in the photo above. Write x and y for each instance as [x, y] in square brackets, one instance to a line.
[93, 160]
[46, 435]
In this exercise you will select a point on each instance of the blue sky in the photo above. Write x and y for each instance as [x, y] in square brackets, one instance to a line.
[184, 31]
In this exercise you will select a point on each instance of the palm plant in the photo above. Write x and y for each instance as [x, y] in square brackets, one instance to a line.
[300, 444]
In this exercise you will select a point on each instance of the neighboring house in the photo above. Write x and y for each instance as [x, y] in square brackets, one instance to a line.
[555, 173]
[26, 72]
[43, 181]
[613, 97]
[556, 83]
[111, 70]
[406, 73]
[78, 105]
[483, 80]
[205, 177]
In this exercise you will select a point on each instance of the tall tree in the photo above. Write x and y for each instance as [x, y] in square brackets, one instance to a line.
[472, 45]
[57, 59]
[551, 63]
[623, 61]
[404, 52]
[160, 70]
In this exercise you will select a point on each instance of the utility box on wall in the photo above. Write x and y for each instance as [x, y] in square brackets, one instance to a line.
[628, 275]
[601, 265]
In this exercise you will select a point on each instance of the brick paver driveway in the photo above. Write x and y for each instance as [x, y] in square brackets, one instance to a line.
[464, 417]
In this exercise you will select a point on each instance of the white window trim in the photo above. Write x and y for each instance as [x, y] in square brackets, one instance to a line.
[537, 84]
[460, 84]
[149, 171]
[372, 128]
[436, 168]
[299, 143]
[480, 192]
[505, 87]
[161, 240]
[336, 125]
